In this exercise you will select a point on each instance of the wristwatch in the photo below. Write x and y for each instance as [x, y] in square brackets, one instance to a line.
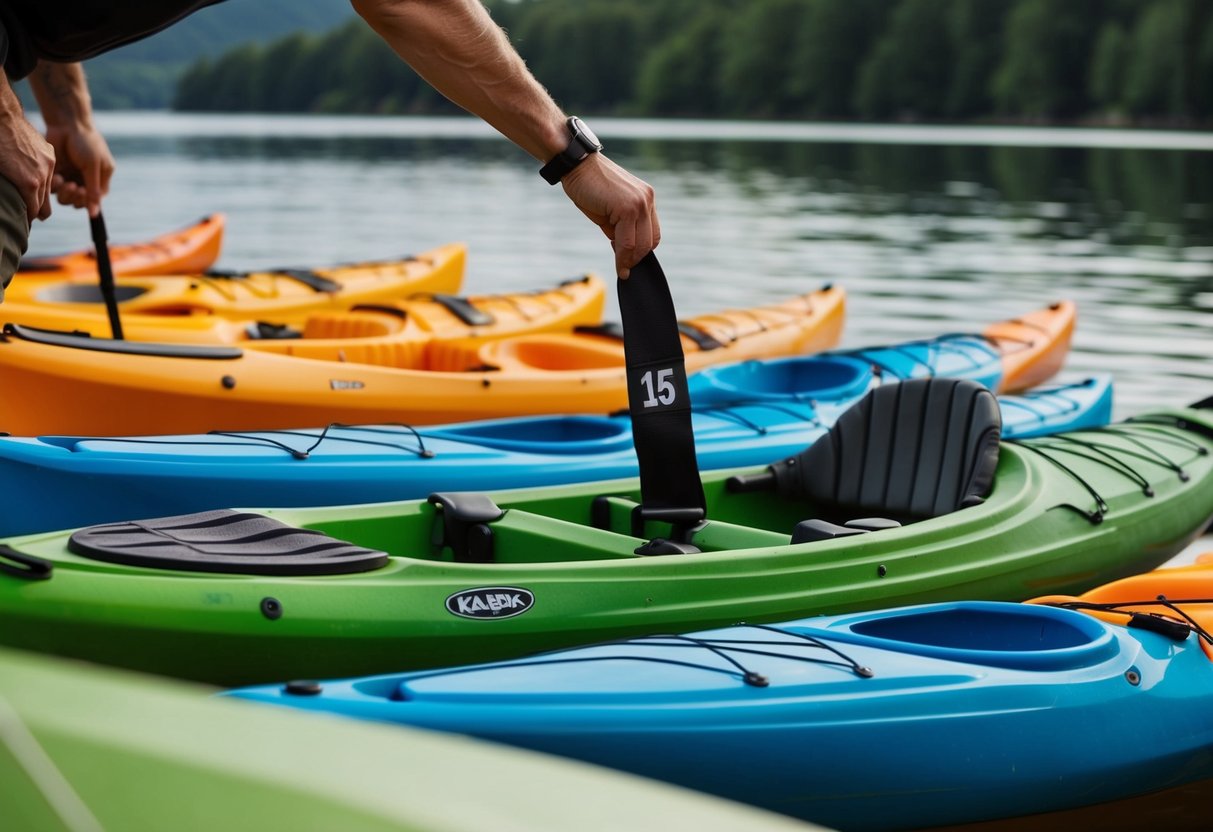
[581, 145]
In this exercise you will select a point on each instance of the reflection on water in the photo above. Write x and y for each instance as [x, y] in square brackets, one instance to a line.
[925, 237]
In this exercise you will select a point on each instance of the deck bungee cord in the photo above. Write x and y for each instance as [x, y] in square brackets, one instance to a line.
[1155, 622]
[937, 346]
[720, 647]
[1105, 455]
[1065, 405]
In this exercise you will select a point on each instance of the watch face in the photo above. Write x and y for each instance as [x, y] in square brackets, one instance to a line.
[584, 134]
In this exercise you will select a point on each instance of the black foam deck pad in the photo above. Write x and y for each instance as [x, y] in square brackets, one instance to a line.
[223, 541]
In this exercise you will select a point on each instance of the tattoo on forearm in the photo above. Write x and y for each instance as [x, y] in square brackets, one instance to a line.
[60, 90]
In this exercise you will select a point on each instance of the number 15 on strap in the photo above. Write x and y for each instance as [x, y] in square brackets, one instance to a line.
[661, 391]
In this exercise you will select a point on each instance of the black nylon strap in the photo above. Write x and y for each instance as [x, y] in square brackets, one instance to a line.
[659, 399]
[105, 272]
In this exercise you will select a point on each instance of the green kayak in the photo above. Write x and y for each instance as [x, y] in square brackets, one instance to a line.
[909, 498]
[84, 749]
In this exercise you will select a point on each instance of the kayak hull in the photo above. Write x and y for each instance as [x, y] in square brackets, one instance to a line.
[118, 389]
[58, 482]
[570, 550]
[910, 717]
[89, 748]
[907, 718]
[194, 248]
[218, 307]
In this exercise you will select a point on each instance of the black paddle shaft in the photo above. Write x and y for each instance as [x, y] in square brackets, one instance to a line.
[659, 400]
[105, 272]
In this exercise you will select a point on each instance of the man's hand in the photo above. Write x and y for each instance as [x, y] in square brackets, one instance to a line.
[26, 159]
[83, 166]
[618, 203]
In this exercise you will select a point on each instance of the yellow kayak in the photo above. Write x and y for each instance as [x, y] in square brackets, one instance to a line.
[65, 383]
[156, 307]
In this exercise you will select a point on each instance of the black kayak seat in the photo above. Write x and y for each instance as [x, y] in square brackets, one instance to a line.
[906, 451]
[223, 541]
[916, 449]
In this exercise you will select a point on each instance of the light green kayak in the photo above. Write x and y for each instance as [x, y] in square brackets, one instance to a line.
[247, 597]
[84, 749]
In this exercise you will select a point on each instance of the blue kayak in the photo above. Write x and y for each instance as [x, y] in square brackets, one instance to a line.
[918, 716]
[750, 413]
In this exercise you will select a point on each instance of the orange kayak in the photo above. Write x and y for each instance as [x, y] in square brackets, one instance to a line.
[1033, 346]
[1188, 591]
[804, 324]
[63, 383]
[191, 249]
[184, 308]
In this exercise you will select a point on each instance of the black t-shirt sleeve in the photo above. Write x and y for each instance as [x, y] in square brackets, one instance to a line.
[69, 31]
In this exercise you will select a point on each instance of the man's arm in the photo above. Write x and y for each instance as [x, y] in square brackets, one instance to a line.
[26, 159]
[83, 164]
[457, 48]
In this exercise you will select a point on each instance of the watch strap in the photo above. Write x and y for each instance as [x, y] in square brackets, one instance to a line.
[573, 154]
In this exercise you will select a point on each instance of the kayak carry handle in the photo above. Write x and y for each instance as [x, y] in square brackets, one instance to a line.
[1169, 628]
[27, 567]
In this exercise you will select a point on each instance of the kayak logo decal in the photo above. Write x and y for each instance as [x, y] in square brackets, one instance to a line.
[490, 602]
[343, 384]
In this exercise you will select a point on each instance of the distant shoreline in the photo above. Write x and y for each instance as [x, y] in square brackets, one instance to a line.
[170, 123]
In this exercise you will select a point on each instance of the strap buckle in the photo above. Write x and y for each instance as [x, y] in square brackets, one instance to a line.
[684, 521]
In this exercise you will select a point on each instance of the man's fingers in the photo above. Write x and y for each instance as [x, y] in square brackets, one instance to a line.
[92, 184]
[625, 247]
[43, 211]
[72, 194]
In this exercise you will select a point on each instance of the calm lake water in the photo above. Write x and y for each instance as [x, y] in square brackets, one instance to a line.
[929, 230]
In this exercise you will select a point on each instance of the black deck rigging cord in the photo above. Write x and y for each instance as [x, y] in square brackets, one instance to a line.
[1120, 607]
[720, 647]
[1100, 453]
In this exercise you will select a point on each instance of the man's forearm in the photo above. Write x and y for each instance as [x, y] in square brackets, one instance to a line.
[458, 49]
[11, 112]
[62, 94]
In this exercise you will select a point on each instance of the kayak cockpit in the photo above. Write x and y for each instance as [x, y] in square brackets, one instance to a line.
[988, 633]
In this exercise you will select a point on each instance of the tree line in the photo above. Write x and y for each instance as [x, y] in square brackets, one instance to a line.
[1130, 61]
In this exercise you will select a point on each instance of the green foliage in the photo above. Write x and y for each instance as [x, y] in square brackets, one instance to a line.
[682, 75]
[833, 39]
[144, 74]
[821, 59]
[1164, 57]
[1047, 45]
[754, 67]
[1107, 86]
[908, 73]
[975, 31]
